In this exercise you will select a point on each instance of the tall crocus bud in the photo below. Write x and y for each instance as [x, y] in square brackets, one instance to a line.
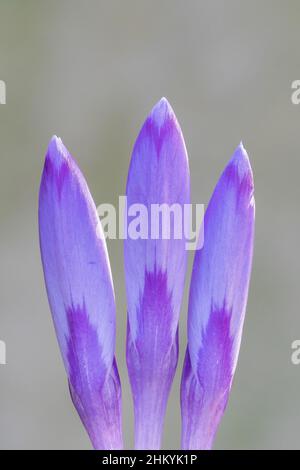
[218, 296]
[155, 266]
[80, 293]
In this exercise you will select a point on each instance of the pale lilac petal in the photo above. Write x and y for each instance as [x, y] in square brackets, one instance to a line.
[218, 296]
[80, 292]
[155, 271]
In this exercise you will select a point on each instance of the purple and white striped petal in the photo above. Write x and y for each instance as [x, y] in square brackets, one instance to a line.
[217, 303]
[155, 268]
[80, 293]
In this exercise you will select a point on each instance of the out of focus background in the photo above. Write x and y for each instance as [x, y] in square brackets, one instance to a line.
[90, 71]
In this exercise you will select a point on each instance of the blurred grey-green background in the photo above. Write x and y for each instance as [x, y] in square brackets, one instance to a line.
[90, 71]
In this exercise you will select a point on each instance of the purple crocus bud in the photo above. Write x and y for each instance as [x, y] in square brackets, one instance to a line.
[81, 297]
[217, 303]
[155, 267]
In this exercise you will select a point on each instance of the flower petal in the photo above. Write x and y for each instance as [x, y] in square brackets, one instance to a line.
[155, 269]
[218, 296]
[80, 292]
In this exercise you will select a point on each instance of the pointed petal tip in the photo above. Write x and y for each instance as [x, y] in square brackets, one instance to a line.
[56, 152]
[164, 100]
[162, 103]
[241, 159]
[58, 164]
[240, 166]
[55, 140]
[161, 112]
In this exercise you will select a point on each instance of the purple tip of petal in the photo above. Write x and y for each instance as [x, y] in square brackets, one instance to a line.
[239, 172]
[217, 303]
[60, 165]
[162, 115]
[56, 163]
[162, 125]
[57, 152]
[162, 112]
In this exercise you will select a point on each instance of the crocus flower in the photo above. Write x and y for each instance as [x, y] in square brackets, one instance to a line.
[80, 289]
[155, 272]
[217, 303]
[81, 296]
